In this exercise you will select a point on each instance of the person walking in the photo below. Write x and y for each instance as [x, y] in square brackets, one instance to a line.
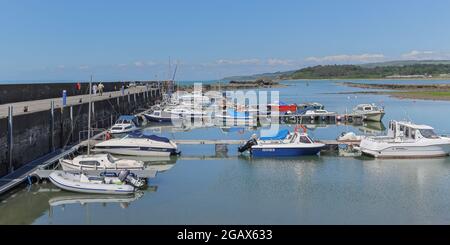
[100, 88]
[94, 89]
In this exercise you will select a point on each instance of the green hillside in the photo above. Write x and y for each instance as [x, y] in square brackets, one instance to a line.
[378, 70]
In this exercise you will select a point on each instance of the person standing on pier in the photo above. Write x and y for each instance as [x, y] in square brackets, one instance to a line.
[78, 88]
[94, 89]
[100, 88]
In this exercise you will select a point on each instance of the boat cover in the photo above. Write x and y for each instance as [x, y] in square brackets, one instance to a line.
[145, 135]
[279, 136]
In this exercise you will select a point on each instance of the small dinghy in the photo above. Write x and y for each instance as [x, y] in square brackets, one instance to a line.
[106, 183]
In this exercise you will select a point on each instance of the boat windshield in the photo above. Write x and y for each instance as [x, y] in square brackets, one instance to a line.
[305, 140]
[111, 158]
[428, 133]
[122, 121]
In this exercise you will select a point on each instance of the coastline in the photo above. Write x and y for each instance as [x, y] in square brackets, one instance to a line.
[439, 92]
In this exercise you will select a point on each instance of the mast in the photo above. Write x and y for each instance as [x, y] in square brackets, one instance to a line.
[89, 118]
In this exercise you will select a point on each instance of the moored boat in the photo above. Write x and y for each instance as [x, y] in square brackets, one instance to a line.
[369, 112]
[138, 144]
[283, 144]
[406, 140]
[282, 107]
[125, 124]
[159, 116]
[302, 108]
[100, 161]
[109, 183]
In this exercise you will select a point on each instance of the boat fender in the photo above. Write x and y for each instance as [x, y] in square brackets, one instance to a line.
[34, 178]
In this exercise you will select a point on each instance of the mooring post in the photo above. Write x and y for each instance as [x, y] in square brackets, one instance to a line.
[52, 126]
[10, 139]
[71, 123]
[61, 123]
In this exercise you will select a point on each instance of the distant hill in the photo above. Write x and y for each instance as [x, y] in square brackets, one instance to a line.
[273, 76]
[406, 62]
[390, 69]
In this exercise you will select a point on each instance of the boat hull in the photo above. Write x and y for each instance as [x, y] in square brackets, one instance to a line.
[257, 151]
[407, 152]
[74, 186]
[374, 117]
[158, 119]
[138, 152]
[68, 166]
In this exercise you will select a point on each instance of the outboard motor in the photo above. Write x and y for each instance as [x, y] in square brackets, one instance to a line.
[247, 145]
[127, 177]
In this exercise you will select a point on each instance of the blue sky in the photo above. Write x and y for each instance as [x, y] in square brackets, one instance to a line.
[115, 40]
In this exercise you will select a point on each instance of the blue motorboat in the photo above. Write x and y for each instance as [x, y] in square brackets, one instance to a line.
[282, 144]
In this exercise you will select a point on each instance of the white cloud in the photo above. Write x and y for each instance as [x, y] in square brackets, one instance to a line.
[425, 55]
[122, 65]
[139, 64]
[238, 62]
[83, 67]
[275, 62]
[61, 67]
[347, 58]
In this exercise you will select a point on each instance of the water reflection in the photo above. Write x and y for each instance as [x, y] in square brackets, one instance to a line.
[67, 198]
[159, 164]
[371, 128]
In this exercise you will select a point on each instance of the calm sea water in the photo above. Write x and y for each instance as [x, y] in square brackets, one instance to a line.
[202, 187]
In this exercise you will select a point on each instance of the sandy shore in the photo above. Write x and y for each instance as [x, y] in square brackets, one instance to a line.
[405, 91]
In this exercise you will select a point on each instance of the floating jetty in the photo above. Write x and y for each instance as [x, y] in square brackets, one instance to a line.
[37, 128]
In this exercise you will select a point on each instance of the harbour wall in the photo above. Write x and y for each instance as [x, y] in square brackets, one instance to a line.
[11, 93]
[37, 134]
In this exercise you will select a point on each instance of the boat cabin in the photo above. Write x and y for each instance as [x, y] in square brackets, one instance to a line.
[409, 131]
[127, 120]
[302, 108]
[367, 108]
[286, 137]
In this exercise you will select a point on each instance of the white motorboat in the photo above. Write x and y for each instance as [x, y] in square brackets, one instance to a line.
[100, 161]
[302, 108]
[283, 144]
[109, 183]
[160, 116]
[194, 100]
[369, 112]
[138, 144]
[125, 124]
[233, 117]
[406, 140]
[188, 113]
[319, 114]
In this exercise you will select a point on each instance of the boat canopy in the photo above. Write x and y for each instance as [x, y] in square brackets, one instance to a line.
[279, 136]
[144, 135]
